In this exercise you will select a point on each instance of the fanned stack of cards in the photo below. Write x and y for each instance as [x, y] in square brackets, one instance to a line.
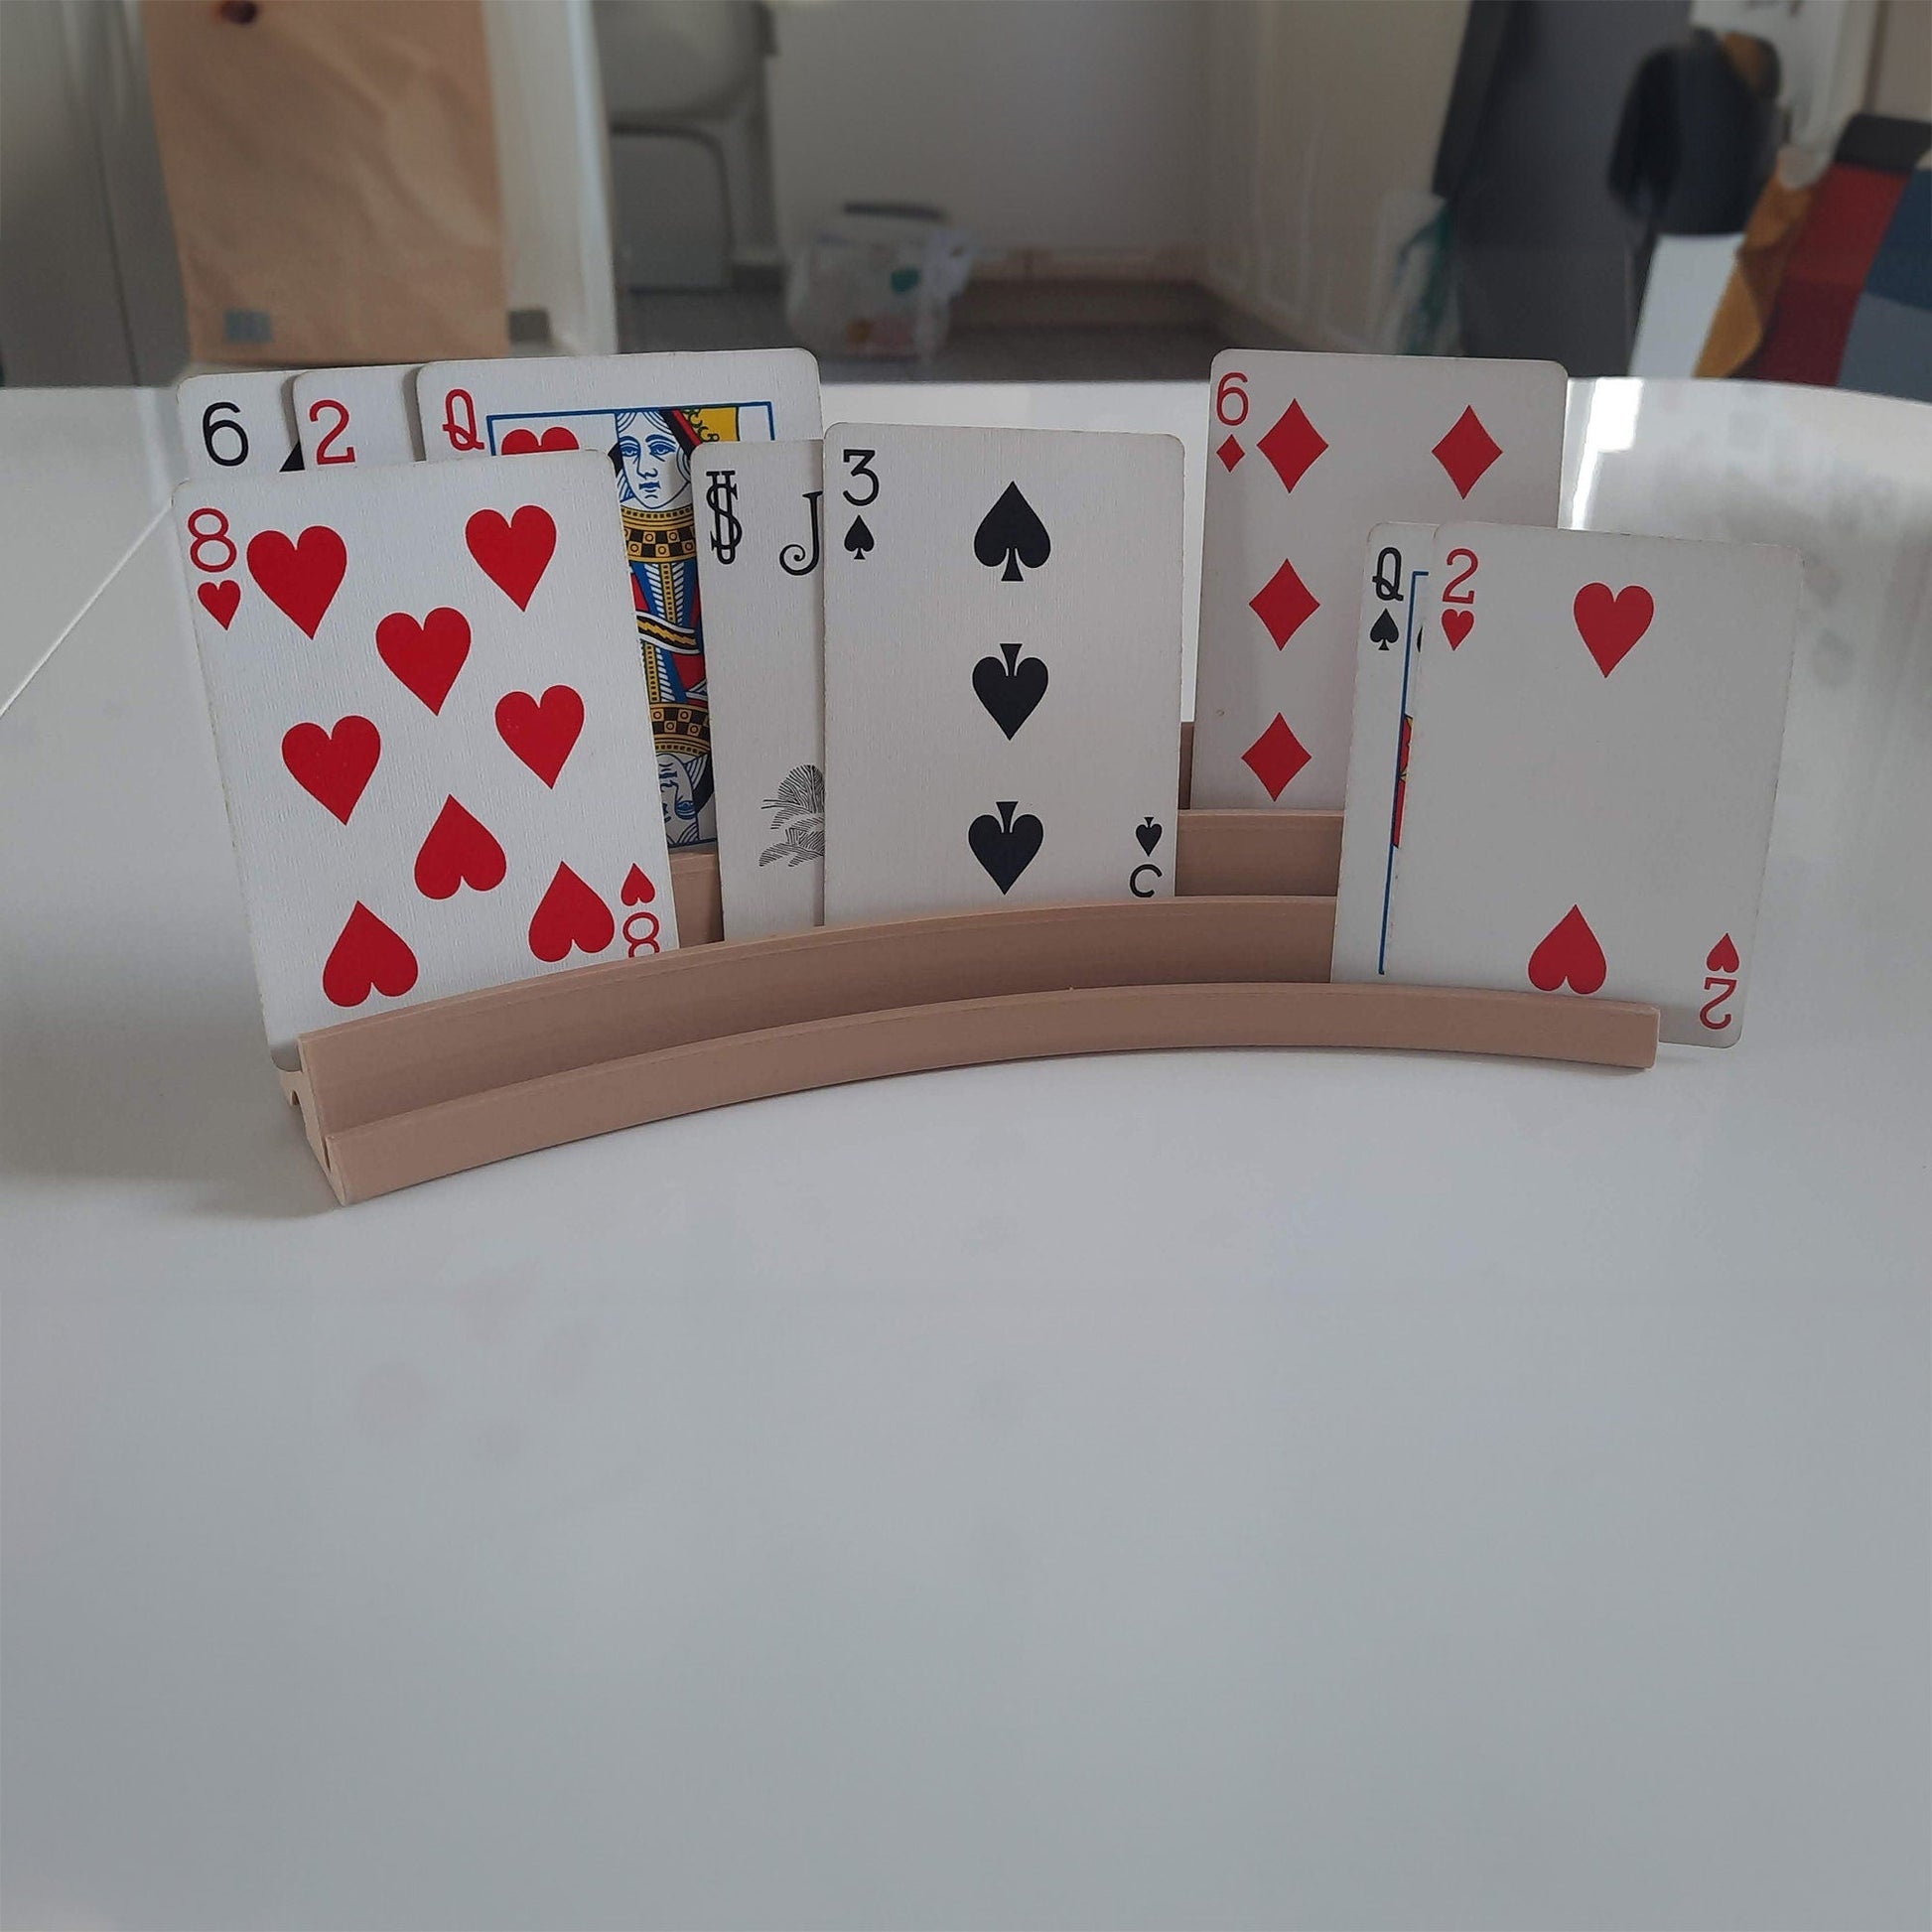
[1556, 752]
[465, 708]
[936, 668]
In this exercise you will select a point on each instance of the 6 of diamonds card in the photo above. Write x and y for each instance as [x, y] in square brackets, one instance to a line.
[1001, 667]
[1597, 722]
[1305, 453]
[646, 414]
[432, 728]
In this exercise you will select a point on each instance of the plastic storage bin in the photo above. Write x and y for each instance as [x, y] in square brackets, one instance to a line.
[878, 281]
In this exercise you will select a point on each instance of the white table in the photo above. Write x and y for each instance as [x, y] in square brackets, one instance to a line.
[1247, 1489]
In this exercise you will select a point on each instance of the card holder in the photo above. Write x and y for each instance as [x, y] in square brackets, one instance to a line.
[1238, 959]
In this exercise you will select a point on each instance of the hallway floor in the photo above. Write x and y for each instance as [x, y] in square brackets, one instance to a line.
[976, 351]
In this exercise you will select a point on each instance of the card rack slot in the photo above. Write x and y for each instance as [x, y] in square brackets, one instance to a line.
[1239, 958]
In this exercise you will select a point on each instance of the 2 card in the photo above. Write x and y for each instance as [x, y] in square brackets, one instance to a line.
[1597, 722]
[358, 415]
[1305, 453]
[1001, 667]
[432, 727]
[761, 566]
[647, 414]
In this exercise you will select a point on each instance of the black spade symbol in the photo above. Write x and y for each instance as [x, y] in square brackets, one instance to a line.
[859, 540]
[1010, 535]
[1382, 632]
[1149, 834]
[1004, 846]
[1010, 691]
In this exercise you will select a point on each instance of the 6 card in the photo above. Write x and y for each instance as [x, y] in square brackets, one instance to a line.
[1001, 667]
[646, 414]
[242, 423]
[1305, 453]
[1592, 770]
[432, 729]
[760, 571]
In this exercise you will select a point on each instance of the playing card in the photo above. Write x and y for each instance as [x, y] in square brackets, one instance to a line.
[359, 415]
[1593, 758]
[432, 733]
[239, 424]
[1394, 608]
[760, 579]
[1305, 454]
[647, 413]
[1001, 667]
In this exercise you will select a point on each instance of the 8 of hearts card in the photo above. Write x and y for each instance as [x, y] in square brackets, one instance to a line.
[431, 725]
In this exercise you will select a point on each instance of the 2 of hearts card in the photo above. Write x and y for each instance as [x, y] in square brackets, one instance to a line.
[358, 415]
[1001, 667]
[647, 414]
[1306, 453]
[432, 727]
[1594, 724]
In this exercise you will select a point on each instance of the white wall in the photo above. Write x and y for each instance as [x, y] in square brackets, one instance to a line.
[1065, 125]
[90, 292]
[553, 157]
[1322, 123]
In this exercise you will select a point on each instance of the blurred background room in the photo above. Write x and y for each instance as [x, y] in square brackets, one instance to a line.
[976, 189]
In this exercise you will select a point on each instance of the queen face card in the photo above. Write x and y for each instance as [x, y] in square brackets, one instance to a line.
[646, 414]
[1395, 611]
[432, 727]
[760, 573]
[1597, 722]
[1305, 454]
[1001, 667]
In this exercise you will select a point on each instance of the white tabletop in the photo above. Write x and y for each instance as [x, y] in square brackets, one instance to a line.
[1249, 1488]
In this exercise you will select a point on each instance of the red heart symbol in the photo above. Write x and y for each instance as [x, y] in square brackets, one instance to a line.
[425, 657]
[1723, 957]
[459, 851]
[514, 552]
[1611, 625]
[541, 732]
[1456, 626]
[368, 956]
[570, 914]
[300, 579]
[219, 600]
[637, 888]
[523, 442]
[333, 766]
[1568, 951]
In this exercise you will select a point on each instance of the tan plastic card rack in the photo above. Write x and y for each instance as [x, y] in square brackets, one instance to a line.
[1238, 959]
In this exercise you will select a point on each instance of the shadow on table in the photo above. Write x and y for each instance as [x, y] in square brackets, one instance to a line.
[180, 1091]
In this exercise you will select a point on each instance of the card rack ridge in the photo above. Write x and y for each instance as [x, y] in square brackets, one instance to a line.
[1239, 957]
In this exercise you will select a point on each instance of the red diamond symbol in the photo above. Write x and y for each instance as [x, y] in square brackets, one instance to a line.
[1275, 757]
[1284, 604]
[1292, 445]
[1466, 452]
[1231, 453]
